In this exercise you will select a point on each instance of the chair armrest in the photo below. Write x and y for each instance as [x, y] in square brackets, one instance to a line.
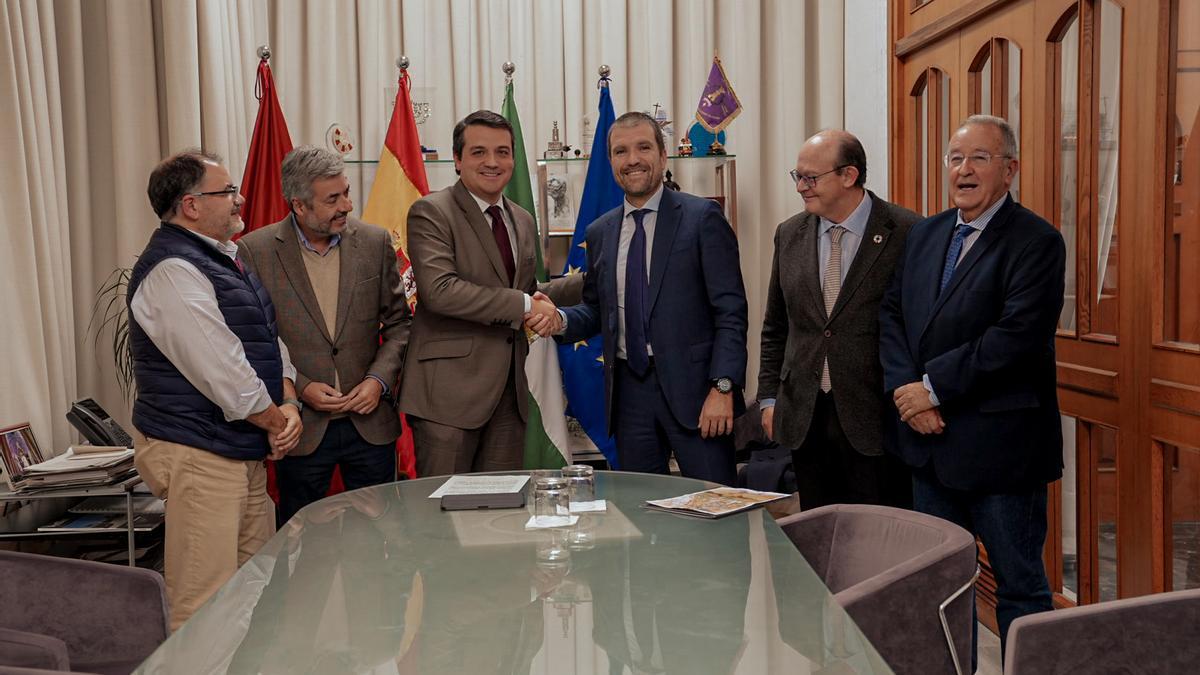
[103, 612]
[812, 533]
[31, 650]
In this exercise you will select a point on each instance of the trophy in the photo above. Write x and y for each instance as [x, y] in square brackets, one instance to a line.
[555, 149]
[685, 147]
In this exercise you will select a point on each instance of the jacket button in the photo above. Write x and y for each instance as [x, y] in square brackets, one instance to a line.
[335, 351]
[510, 339]
[828, 333]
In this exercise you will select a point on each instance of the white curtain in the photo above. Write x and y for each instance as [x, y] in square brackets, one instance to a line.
[93, 94]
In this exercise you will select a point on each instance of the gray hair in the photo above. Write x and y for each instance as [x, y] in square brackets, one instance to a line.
[1008, 139]
[306, 164]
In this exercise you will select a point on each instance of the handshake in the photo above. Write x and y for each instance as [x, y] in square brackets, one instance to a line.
[543, 317]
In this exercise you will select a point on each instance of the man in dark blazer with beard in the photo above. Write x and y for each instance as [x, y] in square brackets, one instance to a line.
[820, 384]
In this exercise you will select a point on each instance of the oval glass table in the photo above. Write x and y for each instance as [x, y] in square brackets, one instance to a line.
[381, 580]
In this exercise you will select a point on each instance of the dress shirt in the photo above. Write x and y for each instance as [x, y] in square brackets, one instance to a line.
[627, 228]
[855, 225]
[176, 306]
[512, 240]
[334, 240]
[979, 224]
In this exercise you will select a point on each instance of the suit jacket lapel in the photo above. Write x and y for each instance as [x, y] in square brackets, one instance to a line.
[666, 224]
[348, 246]
[810, 230]
[989, 235]
[522, 274]
[608, 254]
[287, 248]
[875, 237]
[481, 227]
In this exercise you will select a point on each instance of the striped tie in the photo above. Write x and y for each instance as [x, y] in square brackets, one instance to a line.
[831, 286]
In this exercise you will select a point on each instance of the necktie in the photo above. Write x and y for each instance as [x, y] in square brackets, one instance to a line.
[637, 290]
[956, 244]
[831, 286]
[500, 232]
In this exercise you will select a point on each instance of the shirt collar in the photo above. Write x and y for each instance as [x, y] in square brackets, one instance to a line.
[484, 206]
[333, 240]
[651, 204]
[856, 222]
[984, 218]
[226, 247]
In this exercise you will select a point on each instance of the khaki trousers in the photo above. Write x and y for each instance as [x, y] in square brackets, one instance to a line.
[217, 516]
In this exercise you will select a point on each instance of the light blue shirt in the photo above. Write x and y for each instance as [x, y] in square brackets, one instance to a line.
[979, 225]
[855, 225]
[333, 240]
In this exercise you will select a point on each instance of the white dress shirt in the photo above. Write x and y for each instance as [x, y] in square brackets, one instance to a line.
[176, 305]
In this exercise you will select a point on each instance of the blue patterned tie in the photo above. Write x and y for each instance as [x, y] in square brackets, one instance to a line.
[960, 235]
[637, 289]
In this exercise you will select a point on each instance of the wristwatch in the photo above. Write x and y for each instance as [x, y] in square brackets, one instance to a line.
[295, 402]
[723, 385]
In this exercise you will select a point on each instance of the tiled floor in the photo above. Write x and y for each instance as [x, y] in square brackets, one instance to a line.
[989, 652]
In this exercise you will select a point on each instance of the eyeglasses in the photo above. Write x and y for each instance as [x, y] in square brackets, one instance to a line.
[811, 181]
[976, 159]
[231, 190]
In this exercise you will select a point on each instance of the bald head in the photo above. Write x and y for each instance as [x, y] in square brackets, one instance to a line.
[831, 169]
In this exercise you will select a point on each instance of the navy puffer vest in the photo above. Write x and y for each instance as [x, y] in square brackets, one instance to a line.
[168, 407]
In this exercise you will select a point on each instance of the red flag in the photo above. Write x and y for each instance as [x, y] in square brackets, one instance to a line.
[261, 183]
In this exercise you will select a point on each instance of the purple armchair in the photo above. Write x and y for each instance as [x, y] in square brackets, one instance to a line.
[1157, 633]
[63, 614]
[902, 577]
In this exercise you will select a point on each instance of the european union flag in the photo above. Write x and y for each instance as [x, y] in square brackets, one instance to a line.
[583, 363]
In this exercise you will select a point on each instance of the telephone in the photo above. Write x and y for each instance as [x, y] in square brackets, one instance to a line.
[96, 426]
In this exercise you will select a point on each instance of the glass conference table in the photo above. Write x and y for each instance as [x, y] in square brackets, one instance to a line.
[381, 580]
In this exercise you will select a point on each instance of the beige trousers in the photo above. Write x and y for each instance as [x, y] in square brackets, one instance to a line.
[218, 515]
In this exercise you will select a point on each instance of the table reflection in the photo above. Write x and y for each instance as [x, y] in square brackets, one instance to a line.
[380, 580]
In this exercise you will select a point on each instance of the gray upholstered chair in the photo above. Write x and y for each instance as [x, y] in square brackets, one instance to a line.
[902, 577]
[1149, 634]
[64, 614]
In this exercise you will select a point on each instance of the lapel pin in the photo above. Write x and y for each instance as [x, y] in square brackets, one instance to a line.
[878, 239]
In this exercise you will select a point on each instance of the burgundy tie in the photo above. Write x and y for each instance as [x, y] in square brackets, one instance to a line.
[501, 234]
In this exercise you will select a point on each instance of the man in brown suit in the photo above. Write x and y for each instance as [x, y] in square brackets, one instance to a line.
[472, 253]
[820, 383]
[337, 292]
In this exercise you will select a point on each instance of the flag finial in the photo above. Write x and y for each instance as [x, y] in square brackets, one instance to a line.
[264, 52]
[509, 68]
[605, 71]
[402, 62]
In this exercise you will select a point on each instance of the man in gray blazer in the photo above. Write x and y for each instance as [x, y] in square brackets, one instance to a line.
[342, 313]
[820, 383]
[472, 253]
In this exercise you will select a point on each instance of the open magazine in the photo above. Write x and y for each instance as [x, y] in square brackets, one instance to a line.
[716, 502]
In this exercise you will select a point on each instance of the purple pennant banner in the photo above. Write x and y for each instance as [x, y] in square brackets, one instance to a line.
[718, 103]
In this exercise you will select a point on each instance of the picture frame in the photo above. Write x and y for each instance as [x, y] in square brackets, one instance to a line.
[18, 451]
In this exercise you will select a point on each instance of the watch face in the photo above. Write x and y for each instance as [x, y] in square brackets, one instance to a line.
[724, 385]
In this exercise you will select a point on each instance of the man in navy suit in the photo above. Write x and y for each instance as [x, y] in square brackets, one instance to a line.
[664, 286]
[967, 346]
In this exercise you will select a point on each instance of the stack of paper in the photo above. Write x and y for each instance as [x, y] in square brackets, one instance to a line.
[75, 468]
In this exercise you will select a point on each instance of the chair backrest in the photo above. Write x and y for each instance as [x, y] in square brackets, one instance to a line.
[1157, 633]
[105, 613]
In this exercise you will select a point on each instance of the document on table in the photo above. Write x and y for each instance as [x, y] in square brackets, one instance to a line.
[480, 485]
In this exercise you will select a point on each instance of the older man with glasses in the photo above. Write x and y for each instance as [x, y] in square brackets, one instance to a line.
[215, 385]
[967, 340]
[820, 385]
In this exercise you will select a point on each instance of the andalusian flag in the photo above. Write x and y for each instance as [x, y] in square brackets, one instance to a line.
[399, 181]
[546, 432]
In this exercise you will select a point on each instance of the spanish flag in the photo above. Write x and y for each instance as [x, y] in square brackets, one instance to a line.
[399, 181]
